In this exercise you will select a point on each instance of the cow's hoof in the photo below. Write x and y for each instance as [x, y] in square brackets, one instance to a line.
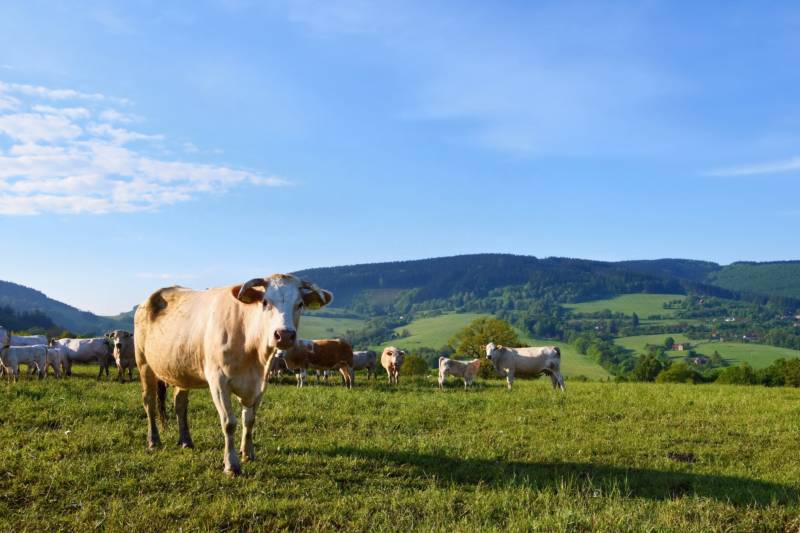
[187, 444]
[246, 457]
[154, 445]
[233, 471]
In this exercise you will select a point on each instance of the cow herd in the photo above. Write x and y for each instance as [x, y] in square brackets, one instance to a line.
[232, 340]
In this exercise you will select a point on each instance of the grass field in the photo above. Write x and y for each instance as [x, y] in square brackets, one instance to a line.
[317, 327]
[643, 305]
[757, 355]
[633, 457]
[572, 363]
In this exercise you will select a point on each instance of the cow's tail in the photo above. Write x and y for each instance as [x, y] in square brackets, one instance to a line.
[161, 394]
[558, 351]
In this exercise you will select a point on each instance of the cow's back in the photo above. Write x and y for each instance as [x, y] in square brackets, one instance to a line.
[172, 326]
[532, 360]
[331, 352]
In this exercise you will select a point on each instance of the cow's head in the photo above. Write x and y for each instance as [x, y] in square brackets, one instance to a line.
[493, 351]
[396, 356]
[281, 299]
[116, 339]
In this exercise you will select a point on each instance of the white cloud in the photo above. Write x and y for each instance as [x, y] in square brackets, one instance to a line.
[772, 167]
[69, 159]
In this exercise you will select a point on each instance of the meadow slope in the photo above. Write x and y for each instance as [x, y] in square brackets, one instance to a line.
[602, 456]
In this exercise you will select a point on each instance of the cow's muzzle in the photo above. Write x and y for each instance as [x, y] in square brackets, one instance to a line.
[285, 338]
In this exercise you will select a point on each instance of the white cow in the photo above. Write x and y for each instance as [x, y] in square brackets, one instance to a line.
[55, 360]
[28, 340]
[531, 361]
[467, 370]
[13, 356]
[122, 350]
[92, 350]
[366, 359]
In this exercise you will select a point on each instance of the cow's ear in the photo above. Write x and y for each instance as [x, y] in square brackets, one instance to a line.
[313, 296]
[499, 346]
[250, 292]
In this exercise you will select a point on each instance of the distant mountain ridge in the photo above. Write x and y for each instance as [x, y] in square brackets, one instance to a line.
[486, 283]
[25, 299]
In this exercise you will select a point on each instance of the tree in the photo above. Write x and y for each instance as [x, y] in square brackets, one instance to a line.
[471, 340]
[669, 342]
[738, 375]
[635, 320]
[647, 368]
[415, 365]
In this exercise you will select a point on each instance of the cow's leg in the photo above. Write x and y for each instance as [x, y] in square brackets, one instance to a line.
[441, 380]
[150, 399]
[347, 376]
[221, 394]
[560, 379]
[181, 398]
[247, 450]
[509, 379]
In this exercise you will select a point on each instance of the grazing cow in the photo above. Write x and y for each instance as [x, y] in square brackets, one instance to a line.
[324, 354]
[122, 352]
[221, 338]
[366, 359]
[392, 359]
[464, 369]
[28, 340]
[96, 349]
[532, 361]
[13, 356]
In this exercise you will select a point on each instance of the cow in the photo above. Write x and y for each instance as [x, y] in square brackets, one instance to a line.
[323, 354]
[392, 359]
[96, 349]
[13, 356]
[122, 351]
[467, 370]
[28, 340]
[365, 359]
[54, 360]
[222, 338]
[531, 361]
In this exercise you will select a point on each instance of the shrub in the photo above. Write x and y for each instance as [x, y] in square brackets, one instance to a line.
[415, 365]
[737, 375]
[678, 373]
[487, 370]
[647, 368]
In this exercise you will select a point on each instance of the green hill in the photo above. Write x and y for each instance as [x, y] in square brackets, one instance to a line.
[777, 279]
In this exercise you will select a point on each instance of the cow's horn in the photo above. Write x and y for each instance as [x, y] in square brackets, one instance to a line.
[255, 282]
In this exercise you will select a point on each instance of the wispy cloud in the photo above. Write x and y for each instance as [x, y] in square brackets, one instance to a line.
[770, 167]
[67, 158]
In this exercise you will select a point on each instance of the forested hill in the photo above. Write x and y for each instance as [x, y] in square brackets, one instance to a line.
[488, 282]
[29, 305]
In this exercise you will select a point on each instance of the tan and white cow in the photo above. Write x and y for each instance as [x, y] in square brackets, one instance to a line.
[467, 370]
[221, 338]
[527, 362]
[122, 351]
[392, 359]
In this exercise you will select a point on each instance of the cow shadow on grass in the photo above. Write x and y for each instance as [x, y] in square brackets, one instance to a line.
[629, 482]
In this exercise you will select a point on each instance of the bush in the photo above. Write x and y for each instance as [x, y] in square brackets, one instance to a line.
[415, 365]
[737, 375]
[647, 368]
[678, 373]
[487, 370]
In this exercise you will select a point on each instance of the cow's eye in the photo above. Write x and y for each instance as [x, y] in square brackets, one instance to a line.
[266, 304]
[300, 305]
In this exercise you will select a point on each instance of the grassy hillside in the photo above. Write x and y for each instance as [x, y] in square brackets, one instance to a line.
[643, 305]
[779, 279]
[317, 327]
[602, 457]
[757, 355]
[572, 363]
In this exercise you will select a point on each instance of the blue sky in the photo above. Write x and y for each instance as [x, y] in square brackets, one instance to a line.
[202, 143]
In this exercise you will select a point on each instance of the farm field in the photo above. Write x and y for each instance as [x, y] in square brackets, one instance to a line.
[756, 355]
[643, 305]
[318, 327]
[602, 456]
